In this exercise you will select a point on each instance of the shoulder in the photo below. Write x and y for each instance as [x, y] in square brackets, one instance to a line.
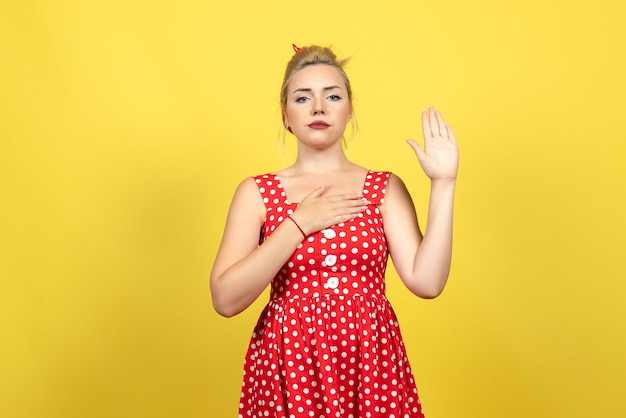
[249, 185]
[376, 183]
[247, 196]
[395, 181]
[396, 186]
[264, 176]
[396, 193]
[376, 177]
[256, 184]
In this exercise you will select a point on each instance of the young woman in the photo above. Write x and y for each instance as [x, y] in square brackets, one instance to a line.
[328, 343]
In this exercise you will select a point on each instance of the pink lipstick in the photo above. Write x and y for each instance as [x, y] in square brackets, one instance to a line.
[318, 124]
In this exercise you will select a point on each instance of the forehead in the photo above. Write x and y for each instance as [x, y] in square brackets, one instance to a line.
[317, 75]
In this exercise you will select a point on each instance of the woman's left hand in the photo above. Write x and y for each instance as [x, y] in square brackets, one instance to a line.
[440, 156]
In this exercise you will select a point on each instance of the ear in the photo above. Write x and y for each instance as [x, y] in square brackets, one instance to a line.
[286, 123]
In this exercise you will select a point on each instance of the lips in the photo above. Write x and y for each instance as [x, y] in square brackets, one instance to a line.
[318, 124]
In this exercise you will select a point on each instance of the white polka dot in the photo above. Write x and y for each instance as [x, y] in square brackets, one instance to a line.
[329, 348]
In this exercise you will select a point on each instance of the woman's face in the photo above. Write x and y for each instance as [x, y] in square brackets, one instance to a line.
[318, 107]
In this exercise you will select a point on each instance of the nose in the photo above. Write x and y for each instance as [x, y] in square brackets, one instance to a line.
[318, 107]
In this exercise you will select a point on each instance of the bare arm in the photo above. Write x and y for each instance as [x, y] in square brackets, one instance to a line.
[423, 262]
[243, 268]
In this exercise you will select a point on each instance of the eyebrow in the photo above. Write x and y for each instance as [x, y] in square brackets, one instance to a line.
[308, 90]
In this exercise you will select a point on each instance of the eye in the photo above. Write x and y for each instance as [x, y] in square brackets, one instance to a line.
[301, 99]
[334, 98]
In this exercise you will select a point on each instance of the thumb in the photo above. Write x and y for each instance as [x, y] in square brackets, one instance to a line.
[418, 150]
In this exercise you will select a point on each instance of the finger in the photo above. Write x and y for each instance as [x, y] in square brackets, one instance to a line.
[358, 205]
[352, 211]
[428, 133]
[356, 210]
[418, 150]
[317, 192]
[432, 118]
[450, 133]
[442, 125]
[354, 197]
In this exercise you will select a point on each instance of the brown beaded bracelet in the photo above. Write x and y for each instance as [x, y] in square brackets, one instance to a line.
[297, 226]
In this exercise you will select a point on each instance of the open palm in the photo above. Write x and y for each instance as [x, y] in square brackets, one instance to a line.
[440, 156]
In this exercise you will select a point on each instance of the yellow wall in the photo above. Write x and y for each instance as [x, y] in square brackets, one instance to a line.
[125, 126]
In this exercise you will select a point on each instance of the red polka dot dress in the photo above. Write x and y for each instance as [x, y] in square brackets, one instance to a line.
[328, 345]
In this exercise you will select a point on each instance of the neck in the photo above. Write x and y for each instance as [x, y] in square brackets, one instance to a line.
[309, 161]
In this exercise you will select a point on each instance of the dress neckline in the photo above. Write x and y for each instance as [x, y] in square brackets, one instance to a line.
[289, 202]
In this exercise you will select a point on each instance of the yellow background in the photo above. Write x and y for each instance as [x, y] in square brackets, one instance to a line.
[125, 126]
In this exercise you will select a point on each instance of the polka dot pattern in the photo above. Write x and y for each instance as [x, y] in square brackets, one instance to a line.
[328, 343]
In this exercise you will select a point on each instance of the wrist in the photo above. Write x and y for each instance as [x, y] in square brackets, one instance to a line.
[443, 182]
[304, 235]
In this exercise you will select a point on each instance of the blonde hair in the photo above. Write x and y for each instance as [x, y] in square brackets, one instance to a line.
[312, 55]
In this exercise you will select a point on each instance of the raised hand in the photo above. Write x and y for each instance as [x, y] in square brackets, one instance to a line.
[440, 156]
[318, 211]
